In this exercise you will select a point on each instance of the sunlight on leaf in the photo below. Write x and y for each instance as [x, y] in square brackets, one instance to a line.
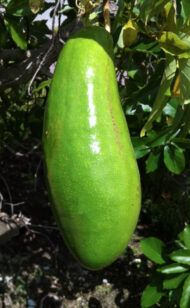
[168, 15]
[172, 269]
[42, 85]
[171, 43]
[162, 97]
[16, 32]
[181, 256]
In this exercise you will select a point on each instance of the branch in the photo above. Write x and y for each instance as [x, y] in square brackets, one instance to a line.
[15, 54]
[107, 15]
[10, 226]
[23, 71]
[51, 47]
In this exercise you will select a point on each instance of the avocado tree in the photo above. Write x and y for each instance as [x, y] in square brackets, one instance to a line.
[151, 46]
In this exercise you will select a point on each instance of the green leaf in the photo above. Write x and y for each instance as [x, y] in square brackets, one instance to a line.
[185, 298]
[186, 39]
[186, 123]
[174, 159]
[176, 125]
[174, 297]
[181, 256]
[18, 8]
[162, 97]
[16, 32]
[155, 139]
[120, 41]
[172, 269]
[145, 108]
[150, 8]
[171, 107]
[132, 72]
[152, 162]
[66, 9]
[186, 236]
[40, 30]
[148, 47]
[169, 22]
[171, 43]
[184, 70]
[186, 8]
[174, 282]
[151, 295]
[146, 8]
[141, 152]
[140, 147]
[42, 85]
[153, 248]
[145, 94]
[182, 142]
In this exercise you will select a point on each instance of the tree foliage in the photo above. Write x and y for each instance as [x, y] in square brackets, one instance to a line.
[152, 59]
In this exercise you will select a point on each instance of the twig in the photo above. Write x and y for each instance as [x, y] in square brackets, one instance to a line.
[48, 51]
[36, 174]
[59, 24]
[22, 72]
[10, 226]
[15, 204]
[49, 295]
[42, 301]
[107, 15]
[48, 239]
[9, 192]
[45, 227]
[10, 149]
[3, 6]
[12, 54]
[53, 18]
[1, 201]
[59, 16]
[175, 7]
[35, 147]
[39, 68]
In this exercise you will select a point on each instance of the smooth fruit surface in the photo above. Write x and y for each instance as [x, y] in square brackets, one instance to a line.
[91, 170]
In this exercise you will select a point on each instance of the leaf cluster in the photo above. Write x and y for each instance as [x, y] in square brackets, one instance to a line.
[153, 74]
[170, 279]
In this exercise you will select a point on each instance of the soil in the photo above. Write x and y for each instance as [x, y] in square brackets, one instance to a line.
[36, 268]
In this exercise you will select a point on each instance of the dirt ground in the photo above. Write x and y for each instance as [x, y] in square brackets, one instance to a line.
[36, 268]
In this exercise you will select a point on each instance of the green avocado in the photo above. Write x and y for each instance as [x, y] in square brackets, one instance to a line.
[91, 171]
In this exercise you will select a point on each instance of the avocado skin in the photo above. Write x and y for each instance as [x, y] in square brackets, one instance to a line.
[90, 167]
